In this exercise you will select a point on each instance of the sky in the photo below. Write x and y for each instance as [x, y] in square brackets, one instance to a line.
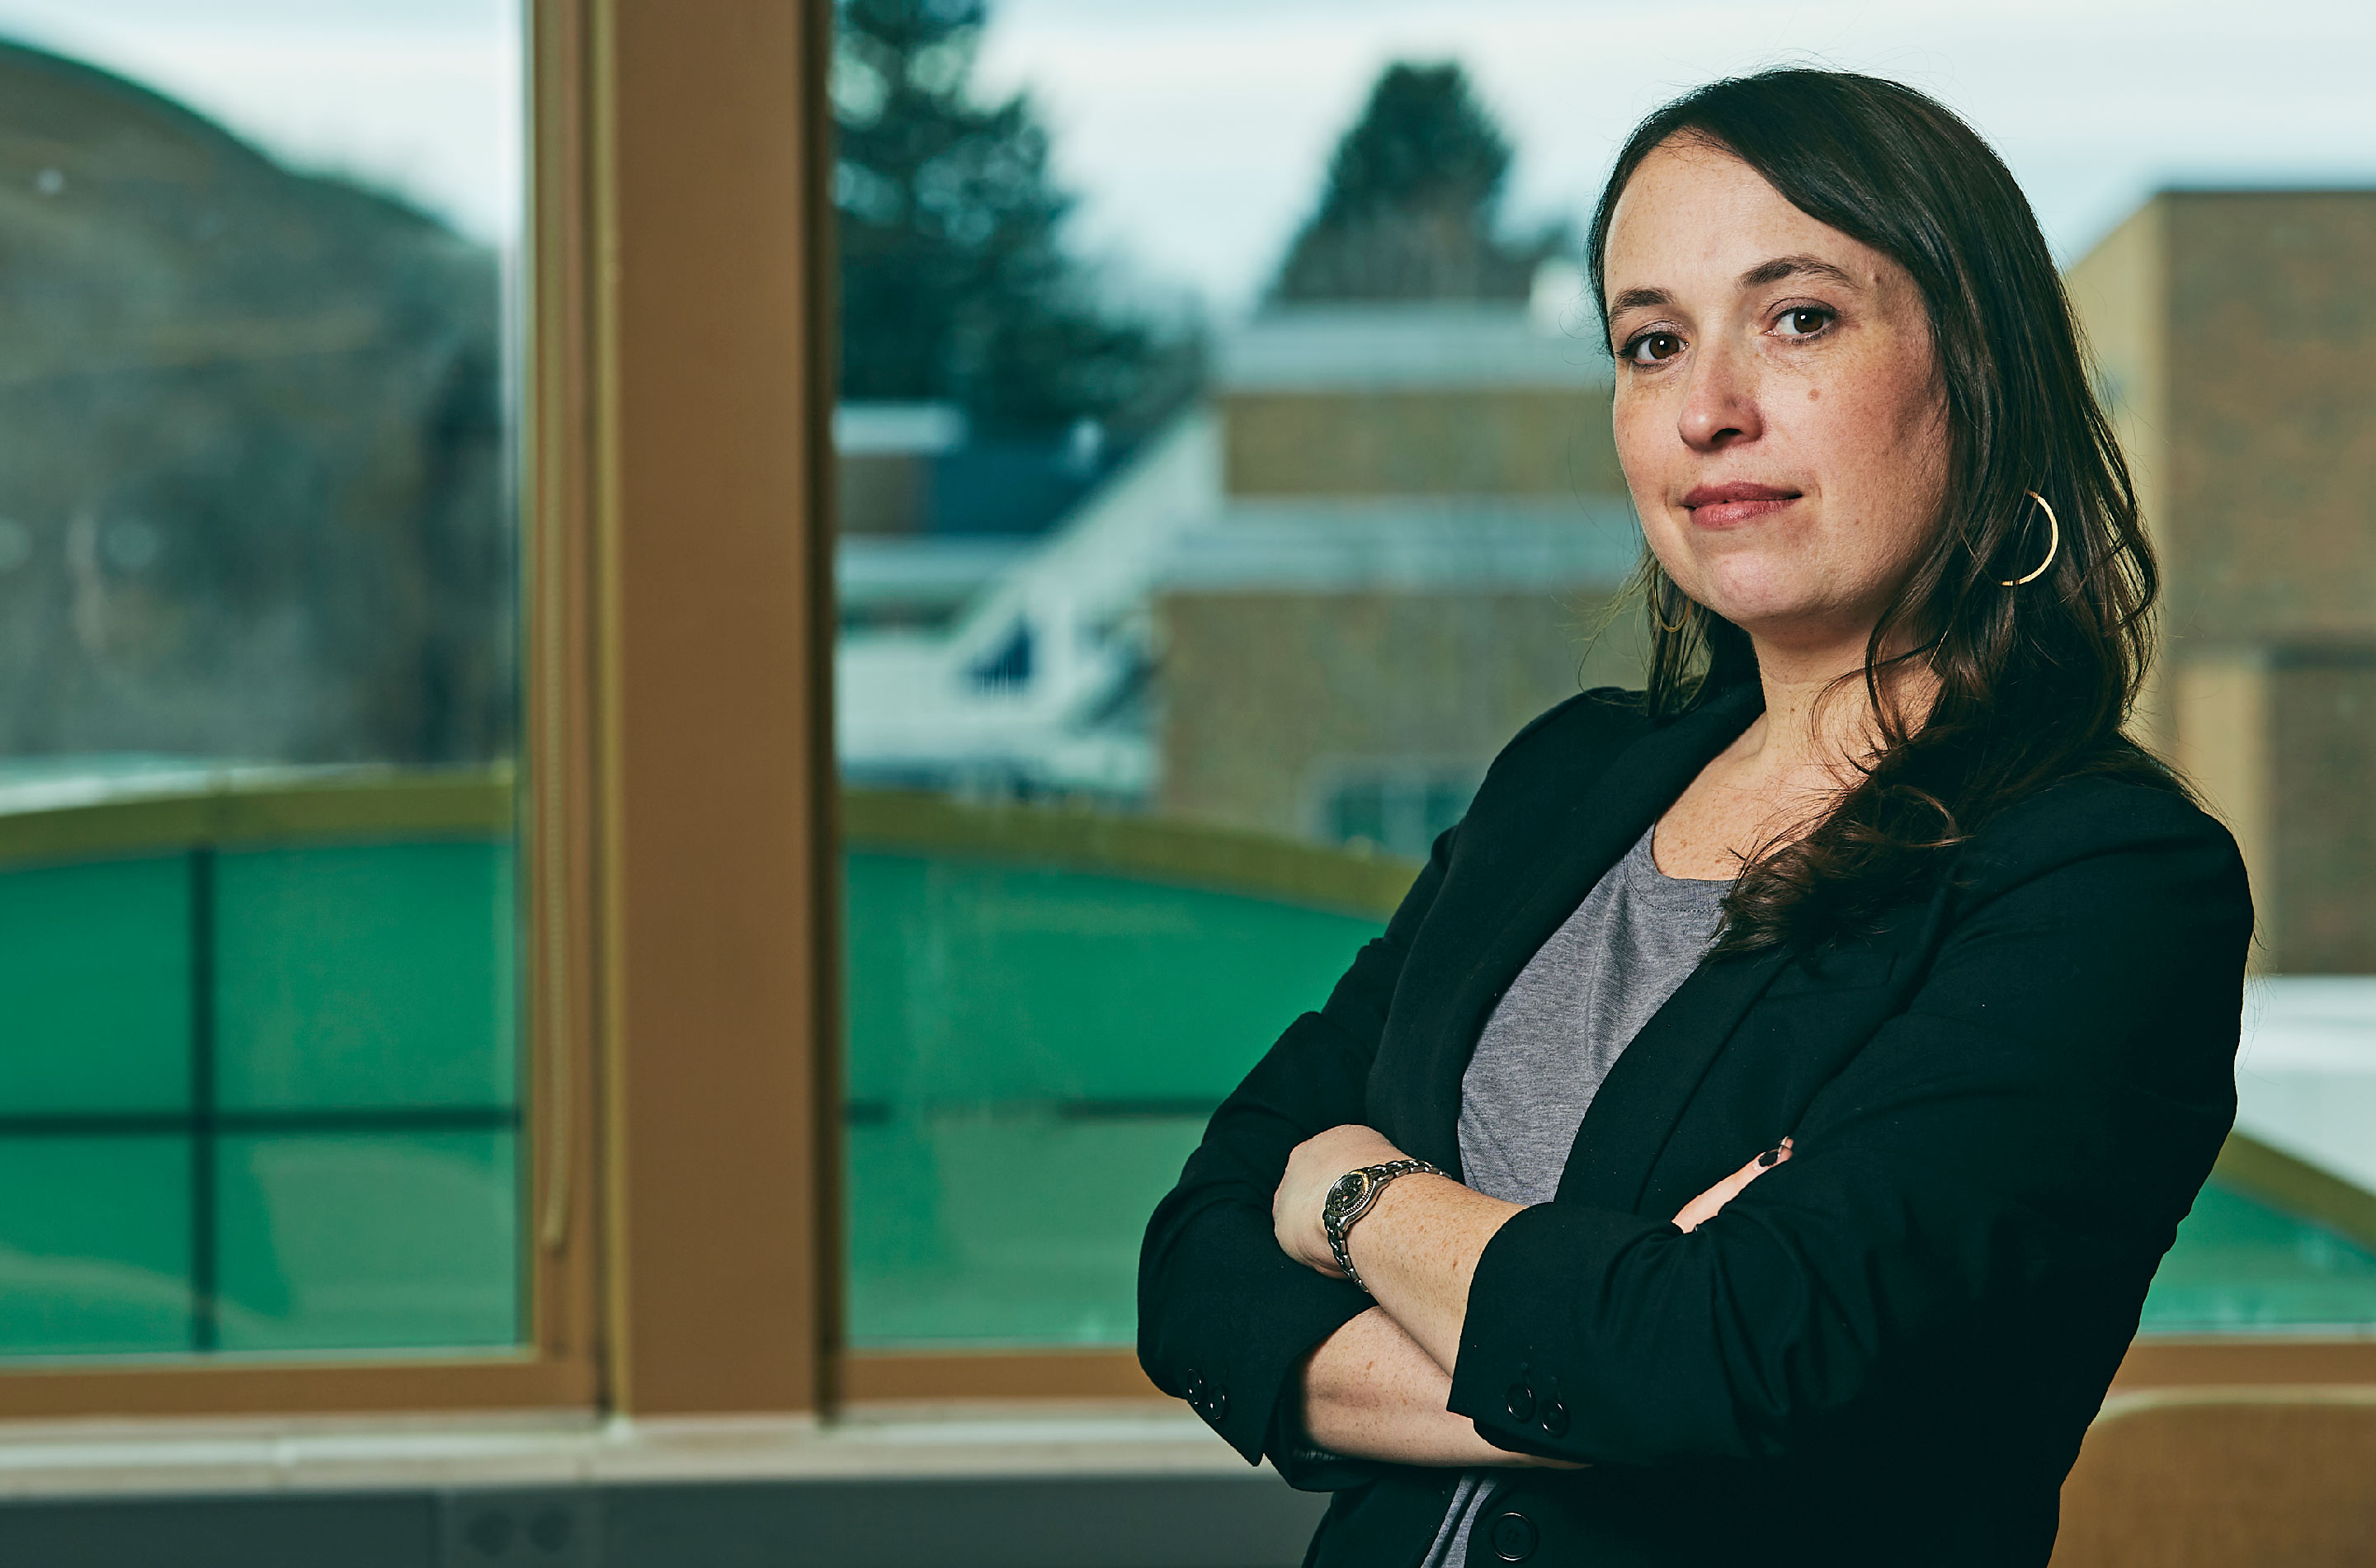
[1195, 132]
[424, 97]
[1198, 130]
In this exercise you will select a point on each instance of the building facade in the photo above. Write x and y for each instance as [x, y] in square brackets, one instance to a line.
[2233, 331]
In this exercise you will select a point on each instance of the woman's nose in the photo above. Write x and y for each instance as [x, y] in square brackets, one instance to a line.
[1719, 402]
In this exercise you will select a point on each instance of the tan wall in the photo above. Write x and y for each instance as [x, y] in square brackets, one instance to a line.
[1484, 442]
[2236, 337]
[2222, 739]
[2120, 291]
[1264, 694]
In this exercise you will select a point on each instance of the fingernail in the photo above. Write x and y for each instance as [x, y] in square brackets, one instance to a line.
[1769, 1157]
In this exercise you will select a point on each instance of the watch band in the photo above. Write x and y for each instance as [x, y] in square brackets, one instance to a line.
[1352, 1195]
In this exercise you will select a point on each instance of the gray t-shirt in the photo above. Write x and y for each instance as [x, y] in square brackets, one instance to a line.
[1557, 1031]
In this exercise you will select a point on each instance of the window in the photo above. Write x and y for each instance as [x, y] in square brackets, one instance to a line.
[1270, 587]
[260, 712]
[1215, 502]
[455, 993]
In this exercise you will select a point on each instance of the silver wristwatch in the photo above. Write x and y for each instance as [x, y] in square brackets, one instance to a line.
[1352, 1195]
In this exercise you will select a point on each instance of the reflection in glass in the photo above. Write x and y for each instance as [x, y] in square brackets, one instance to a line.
[258, 708]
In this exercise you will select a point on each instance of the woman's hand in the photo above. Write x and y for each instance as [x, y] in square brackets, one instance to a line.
[1312, 1170]
[1702, 1209]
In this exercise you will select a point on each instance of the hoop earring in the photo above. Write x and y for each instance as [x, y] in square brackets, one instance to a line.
[2053, 544]
[1658, 621]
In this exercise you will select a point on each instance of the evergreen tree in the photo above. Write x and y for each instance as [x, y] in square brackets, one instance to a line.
[1412, 200]
[955, 283]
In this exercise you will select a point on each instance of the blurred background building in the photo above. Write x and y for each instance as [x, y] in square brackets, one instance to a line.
[1383, 530]
[2234, 337]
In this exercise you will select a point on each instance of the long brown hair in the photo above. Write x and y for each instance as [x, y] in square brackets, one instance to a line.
[2033, 682]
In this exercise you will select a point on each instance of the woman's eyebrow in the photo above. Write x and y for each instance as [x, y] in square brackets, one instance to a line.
[1767, 273]
[1764, 275]
[1639, 299]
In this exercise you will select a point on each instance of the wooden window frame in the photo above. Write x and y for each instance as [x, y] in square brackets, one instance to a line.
[676, 827]
[681, 847]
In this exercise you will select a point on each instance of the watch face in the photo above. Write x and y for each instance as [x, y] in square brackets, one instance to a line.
[1345, 1190]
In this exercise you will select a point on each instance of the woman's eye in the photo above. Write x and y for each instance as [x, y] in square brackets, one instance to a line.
[1803, 321]
[1653, 347]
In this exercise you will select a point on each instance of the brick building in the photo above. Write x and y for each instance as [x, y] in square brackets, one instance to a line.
[2235, 332]
[1422, 533]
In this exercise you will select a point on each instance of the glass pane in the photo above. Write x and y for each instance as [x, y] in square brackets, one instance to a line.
[347, 1241]
[95, 962]
[1061, 965]
[94, 1245]
[1215, 495]
[1173, 630]
[1002, 1193]
[259, 686]
[1013, 1224]
[373, 975]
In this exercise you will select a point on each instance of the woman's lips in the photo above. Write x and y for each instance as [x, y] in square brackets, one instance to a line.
[1729, 506]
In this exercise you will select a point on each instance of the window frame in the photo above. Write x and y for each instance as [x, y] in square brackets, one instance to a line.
[555, 1366]
[676, 838]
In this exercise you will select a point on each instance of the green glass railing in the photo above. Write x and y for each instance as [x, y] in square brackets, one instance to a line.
[260, 1088]
[259, 1084]
[2274, 1245]
[1044, 1007]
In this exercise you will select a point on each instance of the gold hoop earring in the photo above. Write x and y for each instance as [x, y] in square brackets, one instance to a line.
[1660, 622]
[2053, 544]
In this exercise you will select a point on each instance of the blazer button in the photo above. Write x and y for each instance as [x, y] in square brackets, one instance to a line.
[1514, 1537]
[1522, 1404]
[1217, 1406]
[1555, 1420]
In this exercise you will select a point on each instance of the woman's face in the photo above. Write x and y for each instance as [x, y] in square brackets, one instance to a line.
[1779, 411]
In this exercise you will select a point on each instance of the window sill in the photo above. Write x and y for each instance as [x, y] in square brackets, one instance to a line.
[125, 1458]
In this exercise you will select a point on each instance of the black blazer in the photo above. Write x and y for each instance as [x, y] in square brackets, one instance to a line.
[1884, 1351]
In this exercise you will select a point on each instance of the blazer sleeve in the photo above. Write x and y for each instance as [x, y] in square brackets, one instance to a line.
[2003, 1162]
[1225, 1317]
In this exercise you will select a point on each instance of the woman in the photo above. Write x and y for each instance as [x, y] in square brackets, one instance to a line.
[1753, 1135]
